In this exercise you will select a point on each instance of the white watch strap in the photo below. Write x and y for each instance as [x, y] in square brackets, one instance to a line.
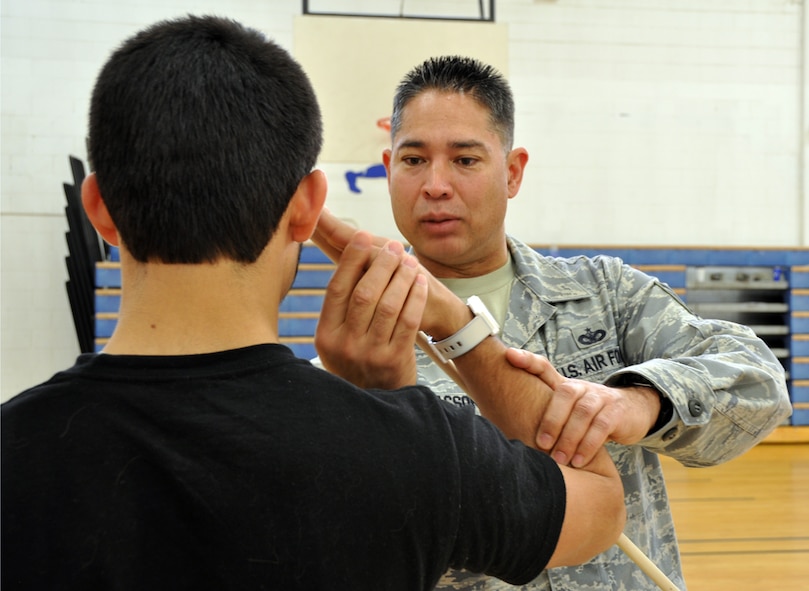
[470, 336]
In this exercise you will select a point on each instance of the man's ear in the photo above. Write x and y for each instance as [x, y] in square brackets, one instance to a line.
[516, 161]
[386, 156]
[306, 204]
[96, 210]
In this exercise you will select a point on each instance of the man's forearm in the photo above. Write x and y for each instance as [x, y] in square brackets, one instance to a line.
[511, 398]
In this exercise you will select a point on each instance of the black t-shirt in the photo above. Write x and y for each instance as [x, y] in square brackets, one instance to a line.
[251, 469]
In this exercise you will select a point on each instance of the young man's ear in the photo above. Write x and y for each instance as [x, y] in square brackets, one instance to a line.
[96, 210]
[306, 204]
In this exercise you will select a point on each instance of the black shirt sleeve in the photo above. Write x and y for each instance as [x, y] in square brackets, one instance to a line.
[512, 502]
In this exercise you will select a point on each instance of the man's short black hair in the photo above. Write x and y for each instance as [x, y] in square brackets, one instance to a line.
[200, 131]
[461, 75]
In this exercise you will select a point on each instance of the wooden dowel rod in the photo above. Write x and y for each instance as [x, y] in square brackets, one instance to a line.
[646, 565]
[624, 543]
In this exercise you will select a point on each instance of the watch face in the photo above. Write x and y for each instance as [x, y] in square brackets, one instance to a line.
[480, 310]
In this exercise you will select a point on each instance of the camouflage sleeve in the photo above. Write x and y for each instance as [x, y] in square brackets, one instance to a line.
[727, 388]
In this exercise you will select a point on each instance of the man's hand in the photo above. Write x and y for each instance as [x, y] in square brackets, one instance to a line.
[351, 346]
[581, 416]
[371, 314]
[444, 312]
[359, 336]
[515, 400]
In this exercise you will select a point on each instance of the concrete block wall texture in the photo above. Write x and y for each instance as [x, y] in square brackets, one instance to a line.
[659, 122]
[654, 122]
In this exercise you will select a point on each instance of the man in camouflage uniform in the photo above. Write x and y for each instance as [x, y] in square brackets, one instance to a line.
[602, 321]
[635, 369]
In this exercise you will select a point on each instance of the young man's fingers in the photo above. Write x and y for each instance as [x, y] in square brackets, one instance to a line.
[376, 293]
[351, 268]
[412, 309]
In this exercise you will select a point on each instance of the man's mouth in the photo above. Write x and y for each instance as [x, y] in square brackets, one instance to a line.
[440, 223]
[439, 218]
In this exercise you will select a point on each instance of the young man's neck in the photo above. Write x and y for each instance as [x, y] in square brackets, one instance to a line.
[190, 309]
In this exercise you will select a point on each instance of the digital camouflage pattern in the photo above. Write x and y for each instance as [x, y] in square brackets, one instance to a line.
[600, 320]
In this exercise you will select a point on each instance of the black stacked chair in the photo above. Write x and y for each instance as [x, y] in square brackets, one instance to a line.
[85, 249]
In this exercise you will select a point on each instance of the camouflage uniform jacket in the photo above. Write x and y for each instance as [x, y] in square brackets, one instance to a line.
[600, 320]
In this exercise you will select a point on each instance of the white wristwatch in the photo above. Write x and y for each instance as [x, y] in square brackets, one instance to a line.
[482, 326]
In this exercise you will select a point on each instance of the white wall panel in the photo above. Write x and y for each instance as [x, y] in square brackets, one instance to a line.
[673, 110]
[355, 65]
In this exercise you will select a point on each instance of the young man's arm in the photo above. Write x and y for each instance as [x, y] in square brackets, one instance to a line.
[595, 515]
[375, 301]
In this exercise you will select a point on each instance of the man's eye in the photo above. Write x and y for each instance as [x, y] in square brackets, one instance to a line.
[467, 161]
[411, 160]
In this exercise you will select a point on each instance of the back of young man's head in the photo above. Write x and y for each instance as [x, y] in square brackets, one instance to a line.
[200, 131]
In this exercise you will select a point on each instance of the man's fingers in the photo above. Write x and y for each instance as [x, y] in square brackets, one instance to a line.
[586, 428]
[593, 440]
[537, 365]
[579, 418]
[573, 428]
[555, 419]
[332, 235]
[558, 409]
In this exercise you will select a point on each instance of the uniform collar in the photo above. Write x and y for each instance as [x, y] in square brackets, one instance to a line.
[541, 283]
[544, 276]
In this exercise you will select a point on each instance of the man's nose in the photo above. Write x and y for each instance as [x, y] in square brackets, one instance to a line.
[437, 183]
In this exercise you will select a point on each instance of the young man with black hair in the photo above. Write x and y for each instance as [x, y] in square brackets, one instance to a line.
[196, 452]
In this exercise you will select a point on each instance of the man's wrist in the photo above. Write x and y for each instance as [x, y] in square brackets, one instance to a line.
[482, 326]
[666, 411]
[445, 314]
[665, 414]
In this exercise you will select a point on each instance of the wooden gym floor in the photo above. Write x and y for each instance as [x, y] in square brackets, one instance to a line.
[744, 525]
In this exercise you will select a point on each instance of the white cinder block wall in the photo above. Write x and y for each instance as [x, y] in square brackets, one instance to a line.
[648, 122]
[659, 121]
